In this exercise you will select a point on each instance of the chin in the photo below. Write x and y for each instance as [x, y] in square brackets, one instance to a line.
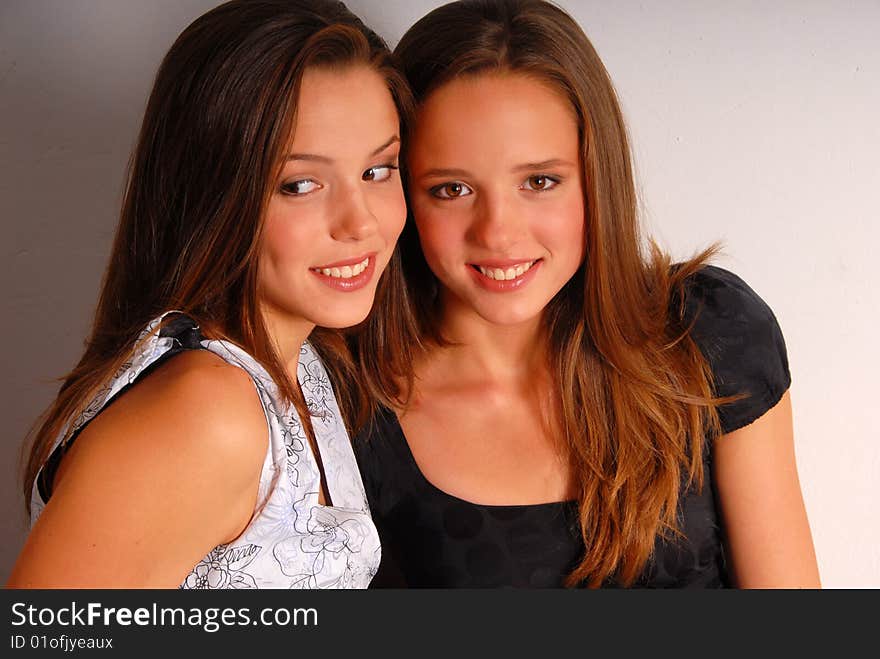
[340, 319]
[508, 315]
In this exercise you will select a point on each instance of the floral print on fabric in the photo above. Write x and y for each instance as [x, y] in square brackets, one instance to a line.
[329, 539]
[224, 568]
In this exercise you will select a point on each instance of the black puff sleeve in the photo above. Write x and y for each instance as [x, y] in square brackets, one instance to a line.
[740, 337]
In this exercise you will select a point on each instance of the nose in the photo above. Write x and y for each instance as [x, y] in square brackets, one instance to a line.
[497, 224]
[353, 220]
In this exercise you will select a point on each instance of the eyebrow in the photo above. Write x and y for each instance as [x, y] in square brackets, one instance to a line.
[443, 173]
[525, 167]
[311, 157]
[544, 164]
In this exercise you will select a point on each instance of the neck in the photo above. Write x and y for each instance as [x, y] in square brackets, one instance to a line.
[287, 334]
[491, 351]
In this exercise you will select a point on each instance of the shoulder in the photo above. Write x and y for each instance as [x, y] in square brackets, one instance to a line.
[160, 477]
[724, 292]
[195, 427]
[198, 403]
[202, 378]
[728, 314]
[740, 337]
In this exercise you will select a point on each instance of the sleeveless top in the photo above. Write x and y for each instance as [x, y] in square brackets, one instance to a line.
[291, 541]
[433, 539]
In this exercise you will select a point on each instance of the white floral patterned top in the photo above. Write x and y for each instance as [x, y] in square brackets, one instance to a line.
[292, 541]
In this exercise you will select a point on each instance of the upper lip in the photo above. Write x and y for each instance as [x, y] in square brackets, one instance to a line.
[502, 263]
[350, 261]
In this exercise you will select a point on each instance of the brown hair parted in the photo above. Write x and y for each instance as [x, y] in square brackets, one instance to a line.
[635, 394]
[222, 108]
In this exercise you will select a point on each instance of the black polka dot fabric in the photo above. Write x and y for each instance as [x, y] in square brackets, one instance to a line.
[431, 539]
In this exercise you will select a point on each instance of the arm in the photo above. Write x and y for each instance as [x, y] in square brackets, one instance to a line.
[769, 540]
[154, 482]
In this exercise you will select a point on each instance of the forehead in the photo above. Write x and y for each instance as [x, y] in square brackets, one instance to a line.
[495, 112]
[343, 107]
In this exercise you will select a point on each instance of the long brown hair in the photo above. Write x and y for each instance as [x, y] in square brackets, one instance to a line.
[222, 108]
[635, 393]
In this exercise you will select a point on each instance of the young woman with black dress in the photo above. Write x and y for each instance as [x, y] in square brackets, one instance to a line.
[559, 405]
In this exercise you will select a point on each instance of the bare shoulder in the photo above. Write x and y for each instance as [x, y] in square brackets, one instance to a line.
[194, 407]
[212, 392]
[201, 376]
[160, 477]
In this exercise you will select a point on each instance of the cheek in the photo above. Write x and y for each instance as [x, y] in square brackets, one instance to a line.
[567, 231]
[387, 206]
[281, 235]
[437, 235]
[271, 241]
[393, 217]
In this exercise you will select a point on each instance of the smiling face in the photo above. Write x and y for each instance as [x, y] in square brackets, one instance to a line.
[337, 207]
[497, 195]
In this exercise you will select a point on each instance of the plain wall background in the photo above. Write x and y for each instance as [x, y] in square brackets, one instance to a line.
[754, 123]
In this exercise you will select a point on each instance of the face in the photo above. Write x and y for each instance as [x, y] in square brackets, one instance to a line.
[337, 207]
[497, 195]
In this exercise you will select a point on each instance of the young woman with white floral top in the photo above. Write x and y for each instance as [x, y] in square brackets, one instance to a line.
[262, 206]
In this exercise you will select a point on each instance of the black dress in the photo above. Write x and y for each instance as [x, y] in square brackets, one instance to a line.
[433, 539]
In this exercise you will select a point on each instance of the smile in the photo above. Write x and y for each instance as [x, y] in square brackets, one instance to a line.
[345, 271]
[508, 273]
[505, 276]
[346, 276]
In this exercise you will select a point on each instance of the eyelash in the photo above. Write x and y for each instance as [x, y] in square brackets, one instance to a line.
[391, 167]
[555, 180]
[438, 189]
[289, 188]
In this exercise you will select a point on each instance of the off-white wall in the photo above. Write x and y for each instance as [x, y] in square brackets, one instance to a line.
[755, 123]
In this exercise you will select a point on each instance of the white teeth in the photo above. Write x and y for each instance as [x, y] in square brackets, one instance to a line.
[346, 271]
[506, 275]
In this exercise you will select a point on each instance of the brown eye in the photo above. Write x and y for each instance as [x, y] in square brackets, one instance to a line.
[300, 188]
[452, 190]
[382, 173]
[540, 183]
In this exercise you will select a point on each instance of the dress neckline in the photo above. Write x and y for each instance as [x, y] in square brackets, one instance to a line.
[390, 419]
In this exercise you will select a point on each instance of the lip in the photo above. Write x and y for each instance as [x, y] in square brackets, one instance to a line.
[503, 285]
[352, 283]
[352, 261]
[502, 263]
